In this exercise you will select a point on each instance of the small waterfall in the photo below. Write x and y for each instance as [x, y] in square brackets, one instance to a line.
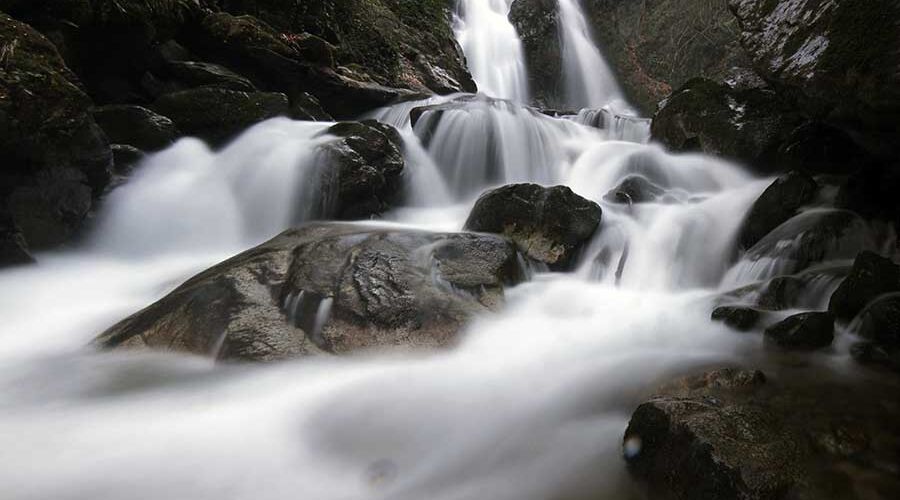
[589, 80]
[493, 48]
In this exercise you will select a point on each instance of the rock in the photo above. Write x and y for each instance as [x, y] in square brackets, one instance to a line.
[367, 169]
[306, 107]
[821, 148]
[737, 317]
[54, 154]
[190, 74]
[803, 331]
[837, 57]
[216, 114]
[872, 354]
[745, 125]
[537, 23]
[780, 293]
[136, 126]
[328, 288]
[125, 157]
[657, 46]
[778, 203]
[634, 189]
[13, 247]
[735, 434]
[880, 321]
[870, 277]
[871, 192]
[550, 225]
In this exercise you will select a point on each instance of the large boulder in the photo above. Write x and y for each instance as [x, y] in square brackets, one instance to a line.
[871, 276]
[838, 57]
[549, 224]
[366, 164]
[778, 204]
[537, 23]
[216, 114]
[812, 330]
[328, 288]
[656, 46]
[54, 154]
[734, 434]
[136, 126]
[747, 125]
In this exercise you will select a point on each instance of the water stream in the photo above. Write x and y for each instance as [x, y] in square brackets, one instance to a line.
[531, 405]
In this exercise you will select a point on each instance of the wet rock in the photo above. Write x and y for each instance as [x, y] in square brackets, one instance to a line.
[549, 225]
[821, 148]
[778, 203]
[125, 157]
[634, 189]
[216, 114]
[872, 192]
[734, 434]
[537, 23]
[837, 57]
[871, 276]
[880, 321]
[737, 317]
[190, 74]
[136, 126]
[804, 331]
[13, 247]
[875, 355]
[306, 107]
[366, 169]
[51, 209]
[647, 45]
[782, 292]
[746, 125]
[328, 288]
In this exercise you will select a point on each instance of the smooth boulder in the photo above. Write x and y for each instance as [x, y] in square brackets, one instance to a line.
[778, 203]
[328, 288]
[737, 317]
[805, 331]
[549, 224]
[135, 126]
[870, 277]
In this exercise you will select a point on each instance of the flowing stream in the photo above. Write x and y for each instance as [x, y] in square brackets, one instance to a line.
[531, 405]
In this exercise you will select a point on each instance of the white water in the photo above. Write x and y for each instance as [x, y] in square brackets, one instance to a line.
[493, 49]
[589, 81]
[531, 405]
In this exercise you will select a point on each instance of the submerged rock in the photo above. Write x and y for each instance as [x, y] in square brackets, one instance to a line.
[634, 189]
[328, 288]
[733, 434]
[366, 168]
[870, 277]
[550, 225]
[812, 330]
[778, 203]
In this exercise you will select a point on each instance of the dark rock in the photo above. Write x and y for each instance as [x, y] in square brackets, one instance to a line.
[870, 277]
[190, 74]
[803, 331]
[51, 209]
[136, 126]
[746, 125]
[328, 288]
[732, 434]
[13, 248]
[537, 23]
[366, 169]
[778, 203]
[125, 157]
[839, 58]
[880, 321]
[737, 317]
[821, 148]
[872, 192]
[657, 46]
[872, 354]
[634, 189]
[548, 224]
[307, 107]
[780, 293]
[216, 114]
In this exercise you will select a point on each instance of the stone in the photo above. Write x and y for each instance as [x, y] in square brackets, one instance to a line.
[778, 203]
[805, 331]
[737, 317]
[871, 276]
[136, 126]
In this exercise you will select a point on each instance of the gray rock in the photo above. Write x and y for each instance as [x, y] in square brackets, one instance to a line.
[328, 288]
[136, 126]
[870, 277]
[778, 203]
[737, 317]
[812, 330]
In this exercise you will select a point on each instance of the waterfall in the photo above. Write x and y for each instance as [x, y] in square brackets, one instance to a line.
[589, 81]
[492, 48]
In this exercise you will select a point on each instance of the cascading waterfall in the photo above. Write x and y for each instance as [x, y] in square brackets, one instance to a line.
[589, 81]
[493, 48]
[531, 405]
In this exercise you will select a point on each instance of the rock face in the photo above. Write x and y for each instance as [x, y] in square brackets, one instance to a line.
[870, 277]
[803, 331]
[778, 203]
[328, 288]
[54, 154]
[746, 125]
[536, 22]
[656, 46]
[366, 167]
[839, 57]
[549, 225]
[732, 434]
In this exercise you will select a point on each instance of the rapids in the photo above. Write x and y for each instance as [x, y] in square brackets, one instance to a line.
[531, 405]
